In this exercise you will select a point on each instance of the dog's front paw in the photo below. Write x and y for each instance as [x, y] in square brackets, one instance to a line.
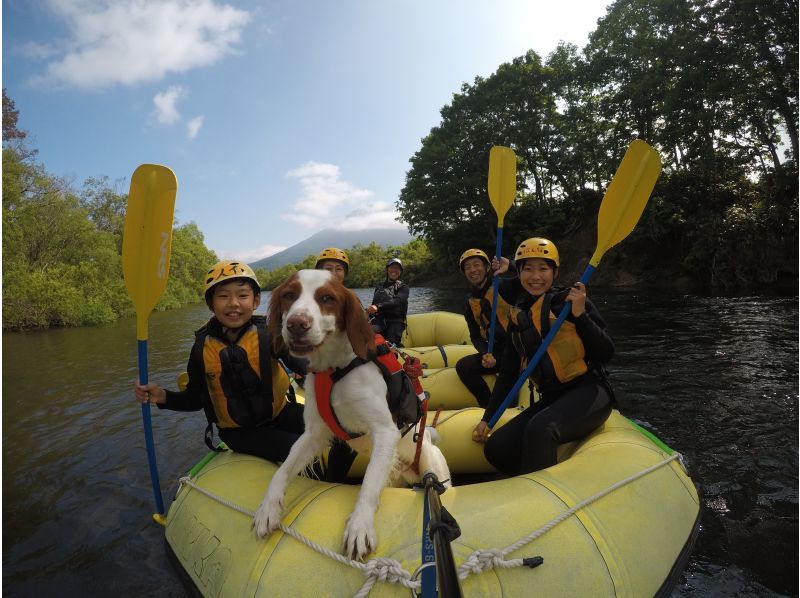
[359, 537]
[268, 516]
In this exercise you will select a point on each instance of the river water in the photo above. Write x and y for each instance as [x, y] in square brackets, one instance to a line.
[715, 378]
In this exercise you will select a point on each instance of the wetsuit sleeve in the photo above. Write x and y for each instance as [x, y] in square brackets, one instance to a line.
[507, 376]
[397, 306]
[591, 327]
[510, 288]
[475, 332]
[190, 399]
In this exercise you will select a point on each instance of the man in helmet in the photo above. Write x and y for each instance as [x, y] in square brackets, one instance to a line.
[335, 261]
[477, 268]
[233, 376]
[390, 304]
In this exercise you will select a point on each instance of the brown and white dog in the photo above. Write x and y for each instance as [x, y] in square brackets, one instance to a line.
[317, 318]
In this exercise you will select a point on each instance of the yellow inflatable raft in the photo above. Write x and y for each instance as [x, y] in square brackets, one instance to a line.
[615, 517]
[446, 391]
[438, 338]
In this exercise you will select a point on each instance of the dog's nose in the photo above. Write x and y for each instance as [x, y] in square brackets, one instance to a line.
[298, 324]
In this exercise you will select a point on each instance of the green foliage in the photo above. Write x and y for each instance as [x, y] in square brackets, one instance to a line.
[367, 265]
[189, 261]
[711, 85]
[10, 116]
[61, 251]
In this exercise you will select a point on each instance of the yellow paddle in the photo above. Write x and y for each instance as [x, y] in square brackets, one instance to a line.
[146, 243]
[622, 206]
[502, 191]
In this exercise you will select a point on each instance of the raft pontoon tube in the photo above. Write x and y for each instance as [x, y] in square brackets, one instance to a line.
[632, 541]
[438, 338]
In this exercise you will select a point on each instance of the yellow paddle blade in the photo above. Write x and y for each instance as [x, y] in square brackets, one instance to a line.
[626, 196]
[147, 237]
[502, 180]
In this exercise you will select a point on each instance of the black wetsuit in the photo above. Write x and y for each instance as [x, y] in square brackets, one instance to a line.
[567, 411]
[391, 299]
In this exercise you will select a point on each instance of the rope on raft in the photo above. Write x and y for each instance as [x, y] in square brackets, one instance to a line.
[391, 571]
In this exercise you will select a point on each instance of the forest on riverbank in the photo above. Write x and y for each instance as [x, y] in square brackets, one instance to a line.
[712, 86]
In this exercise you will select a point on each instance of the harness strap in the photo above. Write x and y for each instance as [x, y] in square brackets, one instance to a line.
[323, 384]
[388, 363]
[420, 436]
[444, 355]
[436, 417]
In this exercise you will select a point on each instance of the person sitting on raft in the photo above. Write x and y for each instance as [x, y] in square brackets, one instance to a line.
[390, 304]
[233, 375]
[476, 267]
[335, 261]
[575, 395]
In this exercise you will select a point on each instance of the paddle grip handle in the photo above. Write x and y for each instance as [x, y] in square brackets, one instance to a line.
[496, 288]
[148, 430]
[537, 357]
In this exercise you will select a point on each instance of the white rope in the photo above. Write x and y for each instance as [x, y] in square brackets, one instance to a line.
[377, 569]
[391, 571]
[483, 560]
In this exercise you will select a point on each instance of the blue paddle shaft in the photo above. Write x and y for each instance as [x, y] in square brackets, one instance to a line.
[537, 357]
[495, 286]
[428, 589]
[148, 431]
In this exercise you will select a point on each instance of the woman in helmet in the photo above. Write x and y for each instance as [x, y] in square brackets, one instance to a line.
[233, 376]
[476, 267]
[335, 261]
[575, 397]
[390, 304]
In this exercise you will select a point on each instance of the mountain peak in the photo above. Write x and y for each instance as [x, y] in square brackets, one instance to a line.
[330, 237]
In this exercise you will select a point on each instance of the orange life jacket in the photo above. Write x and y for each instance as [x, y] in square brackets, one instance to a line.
[481, 308]
[240, 395]
[566, 352]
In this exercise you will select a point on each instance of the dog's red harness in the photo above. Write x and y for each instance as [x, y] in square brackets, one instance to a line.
[389, 365]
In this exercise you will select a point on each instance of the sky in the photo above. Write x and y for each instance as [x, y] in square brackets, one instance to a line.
[279, 118]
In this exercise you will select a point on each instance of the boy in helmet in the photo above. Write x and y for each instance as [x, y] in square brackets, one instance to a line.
[389, 306]
[477, 268]
[232, 374]
[335, 261]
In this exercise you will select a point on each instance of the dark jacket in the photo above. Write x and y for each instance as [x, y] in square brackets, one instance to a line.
[391, 299]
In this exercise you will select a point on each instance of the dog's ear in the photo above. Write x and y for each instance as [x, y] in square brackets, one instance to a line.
[359, 332]
[275, 319]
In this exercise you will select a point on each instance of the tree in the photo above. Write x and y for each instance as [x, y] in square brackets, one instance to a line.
[10, 116]
[105, 205]
[190, 260]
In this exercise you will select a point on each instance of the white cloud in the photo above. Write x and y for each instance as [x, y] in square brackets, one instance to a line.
[325, 195]
[130, 41]
[36, 51]
[194, 125]
[250, 255]
[380, 214]
[166, 109]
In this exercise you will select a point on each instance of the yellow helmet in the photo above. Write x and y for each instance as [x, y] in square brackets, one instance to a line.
[333, 253]
[228, 270]
[472, 253]
[536, 247]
